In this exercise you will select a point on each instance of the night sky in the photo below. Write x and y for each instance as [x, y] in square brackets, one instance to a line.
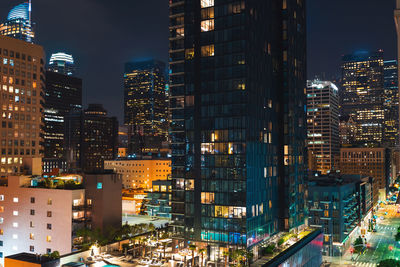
[103, 34]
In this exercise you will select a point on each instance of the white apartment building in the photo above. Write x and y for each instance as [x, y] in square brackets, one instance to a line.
[38, 220]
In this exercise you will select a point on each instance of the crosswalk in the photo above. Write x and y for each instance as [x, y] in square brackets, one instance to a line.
[384, 227]
[365, 264]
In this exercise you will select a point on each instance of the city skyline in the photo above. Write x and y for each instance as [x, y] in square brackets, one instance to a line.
[328, 37]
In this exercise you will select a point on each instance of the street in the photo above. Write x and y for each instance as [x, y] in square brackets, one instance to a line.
[380, 244]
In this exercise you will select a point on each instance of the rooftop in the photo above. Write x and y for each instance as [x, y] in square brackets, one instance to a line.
[32, 258]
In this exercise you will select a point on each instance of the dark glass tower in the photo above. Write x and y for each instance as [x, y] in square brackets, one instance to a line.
[237, 101]
[91, 137]
[62, 63]
[62, 94]
[391, 102]
[145, 105]
[363, 96]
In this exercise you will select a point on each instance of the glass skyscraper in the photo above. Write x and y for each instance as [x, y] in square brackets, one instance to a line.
[62, 63]
[391, 102]
[18, 24]
[145, 105]
[363, 96]
[238, 129]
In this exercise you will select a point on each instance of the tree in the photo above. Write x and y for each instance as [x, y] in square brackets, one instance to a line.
[226, 257]
[201, 251]
[192, 248]
[55, 255]
[389, 263]
[358, 245]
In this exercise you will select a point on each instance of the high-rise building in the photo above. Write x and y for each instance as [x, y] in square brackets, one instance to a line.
[363, 96]
[238, 129]
[90, 138]
[22, 86]
[145, 105]
[63, 93]
[62, 63]
[391, 87]
[322, 125]
[19, 24]
[397, 22]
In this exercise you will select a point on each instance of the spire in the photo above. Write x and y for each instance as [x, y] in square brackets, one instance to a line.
[30, 11]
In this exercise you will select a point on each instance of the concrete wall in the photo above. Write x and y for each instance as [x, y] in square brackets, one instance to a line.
[105, 190]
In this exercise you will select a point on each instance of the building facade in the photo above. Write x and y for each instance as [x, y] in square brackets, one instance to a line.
[39, 220]
[62, 63]
[363, 96]
[340, 207]
[373, 162]
[391, 87]
[62, 95]
[42, 215]
[91, 137]
[237, 100]
[139, 173]
[145, 105]
[322, 125]
[158, 199]
[22, 86]
[19, 24]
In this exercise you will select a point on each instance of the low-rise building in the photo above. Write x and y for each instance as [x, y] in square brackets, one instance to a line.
[30, 260]
[42, 215]
[139, 173]
[341, 206]
[158, 200]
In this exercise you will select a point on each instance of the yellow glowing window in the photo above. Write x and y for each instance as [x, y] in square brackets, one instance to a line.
[207, 25]
[326, 213]
[207, 51]
[32, 236]
[327, 238]
[206, 3]
[207, 198]
[48, 238]
[1, 209]
[34, 84]
[189, 53]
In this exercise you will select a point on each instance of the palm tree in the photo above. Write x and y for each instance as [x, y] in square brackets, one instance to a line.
[164, 244]
[226, 256]
[192, 247]
[201, 251]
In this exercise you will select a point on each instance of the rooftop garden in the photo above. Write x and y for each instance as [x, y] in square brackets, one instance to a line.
[70, 182]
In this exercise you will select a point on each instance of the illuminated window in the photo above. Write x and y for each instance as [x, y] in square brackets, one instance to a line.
[1, 208]
[326, 213]
[32, 236]
[15, 213]
[1, 232]
[49, 214]
[15, 236]
[207, 51]
[207, 198]
[99, 185]
[207, 25]
[203, 3]
[15, 224]
[15, 200]
[189, 53]
[48, 238]
[49, 201]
